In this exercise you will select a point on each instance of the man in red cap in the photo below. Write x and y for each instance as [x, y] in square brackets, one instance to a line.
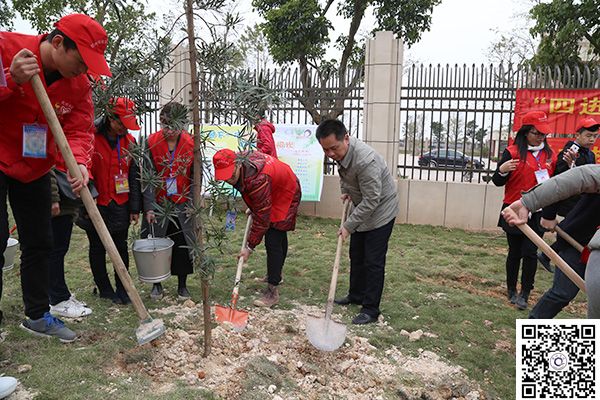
[272, 192]
[27, 149]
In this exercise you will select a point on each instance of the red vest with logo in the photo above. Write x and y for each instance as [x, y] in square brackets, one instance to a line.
[106, 164]
[523, 178]
[178, 165]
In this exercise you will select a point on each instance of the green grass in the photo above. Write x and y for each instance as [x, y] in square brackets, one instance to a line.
[445, 281]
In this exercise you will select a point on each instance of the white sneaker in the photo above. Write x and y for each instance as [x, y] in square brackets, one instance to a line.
[7, 386]
[70, 309]
[77, 301]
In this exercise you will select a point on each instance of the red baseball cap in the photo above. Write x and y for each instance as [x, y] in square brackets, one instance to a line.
[124, 108]
[90, 38]
[587, 123]
[539, 120]
[224, 162]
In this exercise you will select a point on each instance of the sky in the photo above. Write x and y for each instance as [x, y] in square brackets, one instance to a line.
[462, 31]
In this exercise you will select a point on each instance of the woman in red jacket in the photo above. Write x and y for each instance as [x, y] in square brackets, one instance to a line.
[171, 155]
[524, 164]
[116, 177]
[272, 192]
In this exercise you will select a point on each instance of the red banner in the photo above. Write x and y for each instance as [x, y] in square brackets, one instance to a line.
[557, 144]
[563, 107]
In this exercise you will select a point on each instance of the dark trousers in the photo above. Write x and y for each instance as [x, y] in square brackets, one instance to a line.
[30, 203]
[276, 243]
[563, 290]
[520, 248]
[97, 256]
[62, 227]
[367, 267]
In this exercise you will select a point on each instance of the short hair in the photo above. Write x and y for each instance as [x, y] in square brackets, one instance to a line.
[331, 127]
[593, 128]
[169, 109]
[68, 43]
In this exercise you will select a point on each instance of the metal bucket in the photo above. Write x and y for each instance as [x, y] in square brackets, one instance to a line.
[10, 253]
[153, 258]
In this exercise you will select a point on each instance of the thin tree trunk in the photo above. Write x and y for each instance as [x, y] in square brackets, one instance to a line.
[198, 156]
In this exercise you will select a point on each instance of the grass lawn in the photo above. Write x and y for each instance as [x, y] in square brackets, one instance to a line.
[448, 282]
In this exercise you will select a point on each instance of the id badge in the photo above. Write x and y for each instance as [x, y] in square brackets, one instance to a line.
[121, 183]
[171, 186]
[34, 140]
[541, 175]
[230, 218]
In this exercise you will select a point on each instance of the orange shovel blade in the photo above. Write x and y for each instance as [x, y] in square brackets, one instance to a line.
[237, 318]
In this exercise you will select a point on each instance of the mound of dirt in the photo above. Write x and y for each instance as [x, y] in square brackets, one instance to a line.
[272, 359]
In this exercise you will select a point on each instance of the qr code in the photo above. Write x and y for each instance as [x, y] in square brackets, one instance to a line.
[556, 359]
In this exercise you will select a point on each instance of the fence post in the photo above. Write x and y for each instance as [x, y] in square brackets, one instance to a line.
[175, 85]
[383, 81]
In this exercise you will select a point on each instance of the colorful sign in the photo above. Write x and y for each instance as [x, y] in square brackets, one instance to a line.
[296, 145]
[563, 107]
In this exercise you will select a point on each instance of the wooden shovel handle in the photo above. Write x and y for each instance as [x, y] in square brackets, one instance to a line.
[336, 264]
[86, 196]
[240, 265]
[568, 238]
[556, 259]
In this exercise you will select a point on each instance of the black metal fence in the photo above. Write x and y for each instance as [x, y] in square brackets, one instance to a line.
[456, 119]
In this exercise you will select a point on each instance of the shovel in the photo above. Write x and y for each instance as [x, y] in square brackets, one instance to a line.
[568, 238]
[556, 259]
[149, 328]
[324, 333]
[239, 319]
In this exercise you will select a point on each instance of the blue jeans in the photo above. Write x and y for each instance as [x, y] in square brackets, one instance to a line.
[563, 290]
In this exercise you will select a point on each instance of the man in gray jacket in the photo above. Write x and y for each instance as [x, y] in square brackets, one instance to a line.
[366, 180]
[584, 179]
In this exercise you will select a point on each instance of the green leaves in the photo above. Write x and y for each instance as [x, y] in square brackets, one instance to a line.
[569, 32]
[294, 28]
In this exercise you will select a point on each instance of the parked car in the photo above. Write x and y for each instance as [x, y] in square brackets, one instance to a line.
[448, 158]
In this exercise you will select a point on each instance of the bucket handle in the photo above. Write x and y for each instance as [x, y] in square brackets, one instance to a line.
[152, 235]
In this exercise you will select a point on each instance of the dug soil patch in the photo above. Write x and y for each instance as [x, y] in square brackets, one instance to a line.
[272, 359]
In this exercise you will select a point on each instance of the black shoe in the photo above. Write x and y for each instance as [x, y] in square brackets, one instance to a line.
[183, 293]
[122, 298]
[545, 261]
[512, 295]
[157, 292]
[363, 318]
[344, 301]
[522, 300]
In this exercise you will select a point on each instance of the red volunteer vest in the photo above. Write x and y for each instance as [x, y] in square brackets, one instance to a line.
[178, 165]
[106, 165]
[523, 178]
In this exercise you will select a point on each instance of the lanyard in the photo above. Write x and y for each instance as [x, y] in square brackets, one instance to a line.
[119, 154]
[537, 159]
[172, 158]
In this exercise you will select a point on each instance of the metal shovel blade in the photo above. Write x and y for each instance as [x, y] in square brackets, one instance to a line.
[325, 334]
[149, 330]
[237, 318]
